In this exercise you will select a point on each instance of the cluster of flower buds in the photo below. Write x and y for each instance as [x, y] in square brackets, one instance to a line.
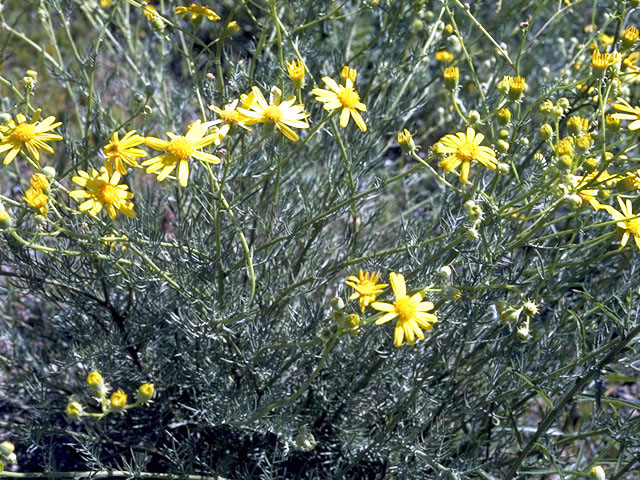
[511, 314]
[6, 454]
[116, 402]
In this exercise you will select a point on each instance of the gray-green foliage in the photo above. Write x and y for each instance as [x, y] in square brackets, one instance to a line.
[219, 293]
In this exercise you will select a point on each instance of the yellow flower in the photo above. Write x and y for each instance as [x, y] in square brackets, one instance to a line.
[348, 72]
[588, 195]
[631, 226]
[516, 87]
[296, 70]
[179, 150]
[410, 310]
[606, 40]
[39, 182]
[145, 392]
[405, 139]
[629, 36]
[120, 151]
[464, 150]
[102, 191]
[633, 71]
[451, 76]
[150, 12]
[600, 61]
[344, 97]
[36, 199]
[105, 3]
[564, 146]
[32, 136]
[229, 117]
[629, 113]
[443, 56]
[282, 114]
[118, 400]
[366, 287]
[95, 379]
[196, 11]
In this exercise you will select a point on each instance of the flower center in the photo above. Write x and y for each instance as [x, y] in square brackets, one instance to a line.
[229, 116]
[180, 147]
[367, 287]
[24, 132]
[633, 226]
[466, 152]
[348, 97]
[107, 193]
[272, 113]
[112, 150]
[405, 308]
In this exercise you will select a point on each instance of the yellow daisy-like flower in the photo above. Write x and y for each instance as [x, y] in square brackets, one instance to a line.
[628, 113]
[632, 72]
[179, 150]
[120, 151]
[366, 287]
[464, 149]
[229, 117]
[36, 199]
[344, 97]
[282, 114]
[588, 195]
[600, 61]
[296, 70]
[196, 11]
[410, 310]
[102, 190]
[30, 136]
[631, 226]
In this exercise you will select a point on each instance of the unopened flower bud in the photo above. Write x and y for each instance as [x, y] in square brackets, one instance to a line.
[563, 103]
[49, 172]
[118, 400]
[305, 440]
[337, 303]
[145, 392]
[474, 117]
[451, 76]
[451, 293]
[5, 219]
[629, 37]
[502, 146]
[504, 116]
[406, 141]
[157, 24]
[4, 118]
[546, 131]
[503, 133]
[597, 473]
[353, 320]
[573, 201]
[523, 332]
[503, 168]
[6, 448]
[444, 272]
[510, 314]
[73, 410]
[612, 123]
